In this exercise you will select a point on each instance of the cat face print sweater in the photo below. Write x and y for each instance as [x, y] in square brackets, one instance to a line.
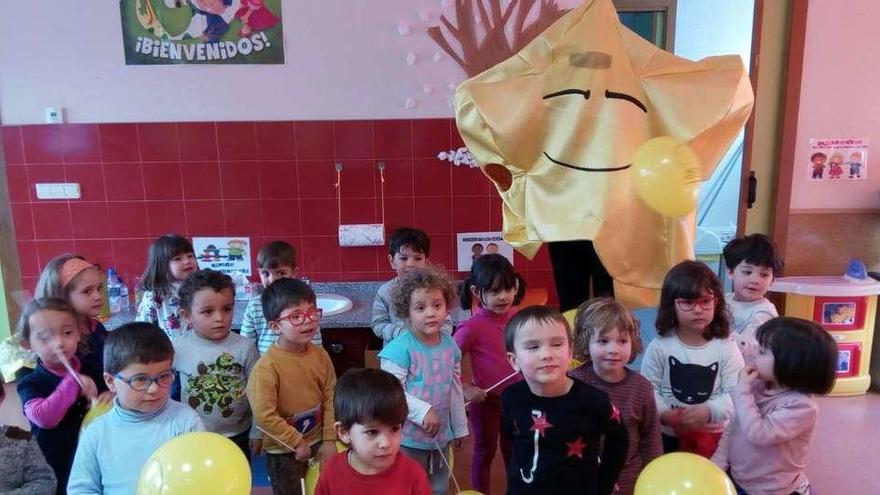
[683, 375]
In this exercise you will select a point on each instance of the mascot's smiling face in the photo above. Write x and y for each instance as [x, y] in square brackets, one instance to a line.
[583, 95]
[556, 128]
[569, 111]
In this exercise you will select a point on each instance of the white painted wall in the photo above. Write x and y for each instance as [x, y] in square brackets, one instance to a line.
[345, 59]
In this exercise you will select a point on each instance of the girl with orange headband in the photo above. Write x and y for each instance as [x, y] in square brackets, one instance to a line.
[81, 283]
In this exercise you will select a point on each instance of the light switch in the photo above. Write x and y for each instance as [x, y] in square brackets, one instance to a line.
[71, 191]
[58, 190]
[45, 191]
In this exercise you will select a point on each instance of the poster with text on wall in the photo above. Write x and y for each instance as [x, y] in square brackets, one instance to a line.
[472, 245]
[202, 31]
[838, 160]
[230, 255]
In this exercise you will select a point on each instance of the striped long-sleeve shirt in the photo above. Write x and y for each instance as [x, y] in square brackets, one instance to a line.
[634, 396]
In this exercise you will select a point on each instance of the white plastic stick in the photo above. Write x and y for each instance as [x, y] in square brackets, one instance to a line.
[493, 387]
[282, 442]
[67, 365]
[302, 481]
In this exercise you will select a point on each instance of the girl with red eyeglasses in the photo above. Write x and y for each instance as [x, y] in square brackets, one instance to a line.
[693, 364]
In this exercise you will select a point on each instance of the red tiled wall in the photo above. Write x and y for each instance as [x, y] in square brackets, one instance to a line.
[265, 180]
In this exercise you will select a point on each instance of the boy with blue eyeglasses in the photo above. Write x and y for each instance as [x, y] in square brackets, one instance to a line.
[113, 448]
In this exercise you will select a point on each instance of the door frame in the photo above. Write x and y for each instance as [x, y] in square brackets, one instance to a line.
[797, 35]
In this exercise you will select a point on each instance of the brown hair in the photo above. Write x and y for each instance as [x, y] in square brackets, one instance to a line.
[137, 342]
[540, 314]
[688, 280]
[597, 317]
[284, 293]
[276, 254]
[365, 395]
[428, 278]
[202, 279]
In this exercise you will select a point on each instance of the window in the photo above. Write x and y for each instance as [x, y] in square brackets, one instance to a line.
[653, 20]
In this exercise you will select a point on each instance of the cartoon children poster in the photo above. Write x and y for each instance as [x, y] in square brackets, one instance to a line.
[230, 255]
[472, 245]
[838, 160]
[202, 31]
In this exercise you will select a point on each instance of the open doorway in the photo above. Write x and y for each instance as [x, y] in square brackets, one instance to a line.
[694, 29]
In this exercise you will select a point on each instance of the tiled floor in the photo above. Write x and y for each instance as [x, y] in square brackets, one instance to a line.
[844, 458]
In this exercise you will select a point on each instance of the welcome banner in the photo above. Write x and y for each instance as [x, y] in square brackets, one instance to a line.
[202, 32]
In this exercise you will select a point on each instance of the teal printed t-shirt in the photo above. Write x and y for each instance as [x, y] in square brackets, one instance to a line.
[430, 371]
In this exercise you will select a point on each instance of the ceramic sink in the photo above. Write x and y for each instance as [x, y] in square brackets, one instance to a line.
[333, 304]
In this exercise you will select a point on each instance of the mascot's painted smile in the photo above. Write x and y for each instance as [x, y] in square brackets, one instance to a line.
[586, 95]
[586, 169]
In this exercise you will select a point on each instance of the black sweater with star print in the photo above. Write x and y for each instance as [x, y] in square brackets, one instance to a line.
[581, 441]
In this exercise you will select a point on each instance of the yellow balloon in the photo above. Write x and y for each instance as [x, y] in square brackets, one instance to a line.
[569, 316]
[667, 175]
[199, 463]
[97, 409]
[315, 470]
[682, 473]
[470, 492]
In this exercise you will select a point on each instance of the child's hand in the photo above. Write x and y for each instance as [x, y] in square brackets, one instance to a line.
[747, 376]
[474, 394]
[695, 417]
[303, 451]
[89, 389]
[326, 451]
[458, 443]
[431, 423]
[671, 418]
[256, 446]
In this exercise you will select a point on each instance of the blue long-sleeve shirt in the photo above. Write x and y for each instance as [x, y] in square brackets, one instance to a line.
[114, 447]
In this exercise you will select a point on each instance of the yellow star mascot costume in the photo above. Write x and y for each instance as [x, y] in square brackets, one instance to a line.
[557, 128]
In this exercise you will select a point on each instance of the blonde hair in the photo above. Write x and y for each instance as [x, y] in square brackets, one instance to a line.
[597, 317]
[23, 330]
